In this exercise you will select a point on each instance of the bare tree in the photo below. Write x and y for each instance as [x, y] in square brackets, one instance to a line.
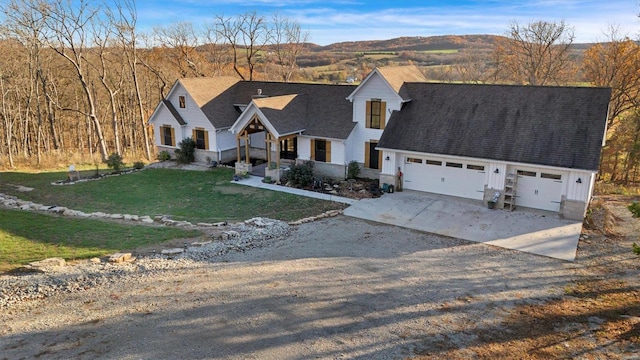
[538, 53]
[25, 23]
[70, 23]
[180, 43]
[615, 63]
[289, 42]
[110, 78]
[473, 67]
[126, 32]
[219, 53]
[247, 34]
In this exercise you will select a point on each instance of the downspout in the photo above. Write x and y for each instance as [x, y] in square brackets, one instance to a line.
[218, 147]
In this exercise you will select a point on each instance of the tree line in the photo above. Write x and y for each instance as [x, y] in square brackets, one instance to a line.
[77, 77]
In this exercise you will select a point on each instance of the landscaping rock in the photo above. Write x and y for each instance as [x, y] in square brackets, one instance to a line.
[201, 243]
[119, 257]
[174, 251]
[47, 263]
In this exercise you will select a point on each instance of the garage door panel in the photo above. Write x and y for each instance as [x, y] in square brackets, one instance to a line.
[435, 176]
[540, 191]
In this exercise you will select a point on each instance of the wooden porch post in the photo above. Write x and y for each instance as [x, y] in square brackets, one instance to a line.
[238, 147]
[268, 141]
[278, 152]
[246, 148]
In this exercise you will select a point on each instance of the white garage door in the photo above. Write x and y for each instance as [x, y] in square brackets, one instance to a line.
[445, 177]
[538, 189]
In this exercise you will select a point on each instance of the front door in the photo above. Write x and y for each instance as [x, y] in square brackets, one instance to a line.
[289, 148]
[374, 156]
[321, 150]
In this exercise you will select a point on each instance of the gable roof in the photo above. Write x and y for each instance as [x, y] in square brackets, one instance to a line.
[553, 126]
[172, 109]
[320, 109]
[283, 112]
[395, 76]
[205, 89]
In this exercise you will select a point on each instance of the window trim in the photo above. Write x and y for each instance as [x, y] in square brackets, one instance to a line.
[163, 135]
[413, 160]
[550, 176]
[452, 164]
[433, 162]
[380, 113]
[527, 173]
[475, 167]
[204, 138]
[327, 150]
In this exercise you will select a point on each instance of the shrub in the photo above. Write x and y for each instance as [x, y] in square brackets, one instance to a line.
[636, 249]
[138, 165]
[115, 162]
[353, 170]
[301, 174]
[164, 156]
[635, 209]
[187, 151]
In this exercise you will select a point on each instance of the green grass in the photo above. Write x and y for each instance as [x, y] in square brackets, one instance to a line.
[28, 236]
[196, 196]
[442, 51]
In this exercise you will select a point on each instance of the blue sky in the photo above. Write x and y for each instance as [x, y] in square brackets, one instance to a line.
[330, 21]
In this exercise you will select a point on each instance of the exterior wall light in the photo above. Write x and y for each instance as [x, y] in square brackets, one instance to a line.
[579, 181]
[496, 171]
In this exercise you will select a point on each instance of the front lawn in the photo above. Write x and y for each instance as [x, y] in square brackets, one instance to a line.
[28, 236]
[195, 196]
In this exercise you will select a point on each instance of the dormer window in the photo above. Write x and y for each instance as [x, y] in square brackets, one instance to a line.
[182, 100]
[375, 114]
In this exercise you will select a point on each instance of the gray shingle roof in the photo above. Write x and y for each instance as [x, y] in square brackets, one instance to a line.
[172, 109]
[321, 109]
[554, 126]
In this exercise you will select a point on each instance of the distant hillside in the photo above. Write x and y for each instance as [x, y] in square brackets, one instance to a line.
[415, 43]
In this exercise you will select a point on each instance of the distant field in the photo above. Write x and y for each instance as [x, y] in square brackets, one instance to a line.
[443, 51]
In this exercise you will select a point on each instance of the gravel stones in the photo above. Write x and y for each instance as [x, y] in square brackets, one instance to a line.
[45, 278]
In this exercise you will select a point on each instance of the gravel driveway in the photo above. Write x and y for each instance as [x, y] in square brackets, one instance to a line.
[335, 288]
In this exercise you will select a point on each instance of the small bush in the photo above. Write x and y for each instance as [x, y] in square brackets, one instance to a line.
[636, 249]
[301, 174]
[164, 156]
[353, 170]
[187, 152]
[115, 162]
[635, 209]
[138, 165]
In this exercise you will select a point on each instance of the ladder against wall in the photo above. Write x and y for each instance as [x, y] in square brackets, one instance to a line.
[510, 192]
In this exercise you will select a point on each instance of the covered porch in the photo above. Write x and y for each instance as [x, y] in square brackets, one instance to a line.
[257, 140]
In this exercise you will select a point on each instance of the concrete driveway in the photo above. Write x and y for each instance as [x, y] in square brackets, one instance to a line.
[533, 231]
